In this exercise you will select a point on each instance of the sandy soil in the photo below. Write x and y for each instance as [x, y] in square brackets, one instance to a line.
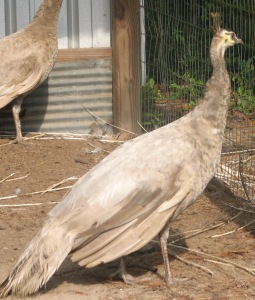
[37, 165]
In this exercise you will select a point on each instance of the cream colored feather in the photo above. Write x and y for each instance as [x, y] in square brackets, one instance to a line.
[133, 194]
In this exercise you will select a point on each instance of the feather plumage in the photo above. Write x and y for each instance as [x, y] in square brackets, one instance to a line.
[134, 193]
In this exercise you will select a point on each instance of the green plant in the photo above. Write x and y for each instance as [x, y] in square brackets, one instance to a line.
[244, 100]
[187, 88]
[152, 118]
[243, 92]
[151, 92]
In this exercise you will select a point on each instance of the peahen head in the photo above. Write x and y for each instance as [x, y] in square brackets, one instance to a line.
[222, 38]
[227, 38]
[221, 41]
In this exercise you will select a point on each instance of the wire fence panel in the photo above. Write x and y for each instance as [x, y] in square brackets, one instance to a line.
[176, 39]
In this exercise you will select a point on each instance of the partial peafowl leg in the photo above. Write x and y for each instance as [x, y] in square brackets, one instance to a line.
[163, 237]
[127, 278]
[15, 111]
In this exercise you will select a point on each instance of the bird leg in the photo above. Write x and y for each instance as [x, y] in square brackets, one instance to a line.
[127, 278]
[163, 237]
[15, 111]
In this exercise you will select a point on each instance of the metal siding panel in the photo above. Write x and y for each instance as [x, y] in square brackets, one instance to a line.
[23, 16]
[58, 105]
[32, 9]
[101, 23]
[73, 24]
[37, 4]
[2, 22]
[62, 27]
[85, 23]
[82, 23]
[10, 16]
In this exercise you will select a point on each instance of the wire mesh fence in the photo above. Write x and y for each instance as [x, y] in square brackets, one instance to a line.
[176, 65]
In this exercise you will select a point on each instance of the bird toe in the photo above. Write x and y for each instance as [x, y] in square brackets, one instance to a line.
[127, 278]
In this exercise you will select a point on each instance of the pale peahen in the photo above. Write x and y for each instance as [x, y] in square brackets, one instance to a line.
[27, 58]
[133, 194]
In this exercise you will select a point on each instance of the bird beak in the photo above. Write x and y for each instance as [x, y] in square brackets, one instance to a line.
[239, 41]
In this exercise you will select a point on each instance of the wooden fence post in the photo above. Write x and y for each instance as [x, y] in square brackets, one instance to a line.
[126, 65]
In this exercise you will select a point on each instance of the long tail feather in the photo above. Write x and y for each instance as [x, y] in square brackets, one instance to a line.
[37, 264]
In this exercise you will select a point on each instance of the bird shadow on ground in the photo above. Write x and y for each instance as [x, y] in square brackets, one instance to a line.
[32, 114]
[221, 196]
[139, 264]
[35, 105]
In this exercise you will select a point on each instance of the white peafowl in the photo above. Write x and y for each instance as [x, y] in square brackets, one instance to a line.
[136, 192]
[27, 58]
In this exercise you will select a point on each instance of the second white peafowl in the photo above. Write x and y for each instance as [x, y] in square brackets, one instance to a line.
[27, 58]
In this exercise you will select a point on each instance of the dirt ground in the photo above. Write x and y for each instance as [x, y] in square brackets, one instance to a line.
[222, 264]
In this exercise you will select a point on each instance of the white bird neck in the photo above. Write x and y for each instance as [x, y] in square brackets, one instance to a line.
[217, 53]
[217, 91]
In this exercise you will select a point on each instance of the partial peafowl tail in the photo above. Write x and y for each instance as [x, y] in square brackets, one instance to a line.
[39, 261]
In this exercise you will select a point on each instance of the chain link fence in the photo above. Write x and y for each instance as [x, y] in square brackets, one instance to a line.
[176, 38]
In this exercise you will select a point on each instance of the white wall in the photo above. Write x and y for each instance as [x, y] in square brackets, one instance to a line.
[82, 23]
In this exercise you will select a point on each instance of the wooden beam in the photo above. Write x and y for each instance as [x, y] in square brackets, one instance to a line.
[126, 65]
[65, 55]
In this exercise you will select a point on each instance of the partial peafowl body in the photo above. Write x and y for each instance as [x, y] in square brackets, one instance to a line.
[27, 58]
[133, 194]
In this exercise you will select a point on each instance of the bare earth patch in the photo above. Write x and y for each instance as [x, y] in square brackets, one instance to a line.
[37, 165]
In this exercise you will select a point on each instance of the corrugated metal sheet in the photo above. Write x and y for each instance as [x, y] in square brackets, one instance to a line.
[82, 23]
[58, 104]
